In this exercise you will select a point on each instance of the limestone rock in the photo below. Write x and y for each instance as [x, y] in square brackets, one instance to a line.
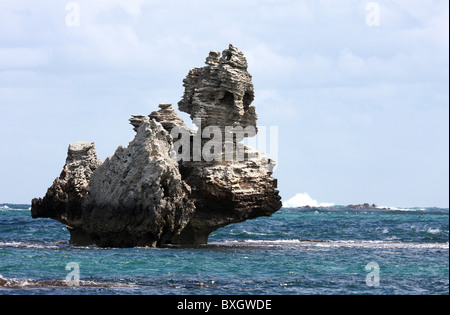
[137, 121]
[63, 199]
[228, 192]
[221, 93]
[137, 196]
[224, 192]
[167, 117]
[145, 195]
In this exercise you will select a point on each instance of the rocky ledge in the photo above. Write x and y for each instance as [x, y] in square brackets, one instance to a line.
[171, 185]
[367, 206]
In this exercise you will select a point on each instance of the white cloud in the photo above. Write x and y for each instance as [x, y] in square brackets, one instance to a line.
[321, 74]
[265, 61]
[350, 63]
[23, 58]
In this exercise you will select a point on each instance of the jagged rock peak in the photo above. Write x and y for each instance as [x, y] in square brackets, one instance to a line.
[167, 117]
[234, 57]
[82, 153]
[221, 93]
[231, 56]
[136, 121]
[213, 58]
[63, 199]
[81, 157]
[137, 197]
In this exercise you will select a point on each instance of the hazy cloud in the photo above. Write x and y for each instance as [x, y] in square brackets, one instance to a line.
[345, 95]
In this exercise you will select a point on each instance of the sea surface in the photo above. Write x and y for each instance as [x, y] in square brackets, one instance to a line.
[327, 251]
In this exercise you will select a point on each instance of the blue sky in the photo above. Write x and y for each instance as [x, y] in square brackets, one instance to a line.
[362, 111]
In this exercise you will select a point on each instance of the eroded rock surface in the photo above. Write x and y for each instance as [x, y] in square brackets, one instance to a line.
[63, 199]
[220, 94]
[145, 195]
[224, 191]
[167, 117]
[137, 196]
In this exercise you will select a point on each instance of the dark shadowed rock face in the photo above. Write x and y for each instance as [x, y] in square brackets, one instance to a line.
[137, 195]
[145, 195]
[63, 199]
[220, 94]
[226, 193]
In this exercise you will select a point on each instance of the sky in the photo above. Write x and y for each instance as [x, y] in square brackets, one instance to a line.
[357, 89]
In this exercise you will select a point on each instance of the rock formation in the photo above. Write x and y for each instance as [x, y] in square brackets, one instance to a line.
[137, 197]
[367, 206]
[64, 198]
[167, 117]
[155, 192]
[225, 191]
[221, 93]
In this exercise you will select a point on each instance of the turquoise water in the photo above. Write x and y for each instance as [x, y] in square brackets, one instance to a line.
[296, 251]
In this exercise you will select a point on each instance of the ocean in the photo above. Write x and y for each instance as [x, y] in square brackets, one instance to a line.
[317, 251]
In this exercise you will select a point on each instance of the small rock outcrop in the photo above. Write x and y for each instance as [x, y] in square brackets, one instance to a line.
[167, 117]
[64, 198]
[156, 192]
[366, 206]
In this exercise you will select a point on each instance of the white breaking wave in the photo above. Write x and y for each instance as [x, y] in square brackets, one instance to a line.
[332, 244]
[400, 209]
[13, 244]
[7, 208]
[303, 200]
[30, 283]
[434, 231]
